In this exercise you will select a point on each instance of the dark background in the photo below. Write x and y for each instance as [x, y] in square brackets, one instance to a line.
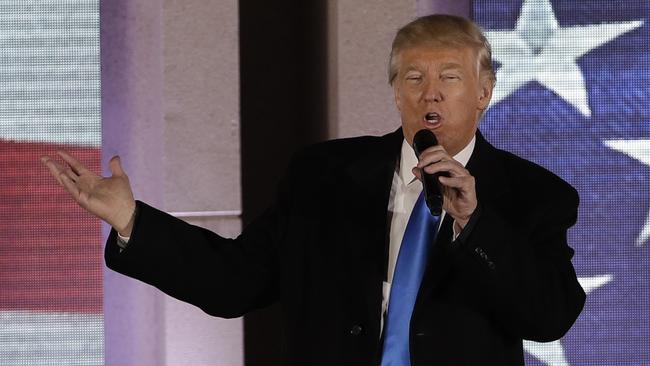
[283, 58]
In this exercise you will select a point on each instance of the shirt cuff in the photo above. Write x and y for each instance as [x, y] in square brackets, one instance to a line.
[461, 237]
[455, 234]
[122, 241]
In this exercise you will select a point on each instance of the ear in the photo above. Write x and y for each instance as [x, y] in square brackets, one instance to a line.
[485, 93]
[396, 91]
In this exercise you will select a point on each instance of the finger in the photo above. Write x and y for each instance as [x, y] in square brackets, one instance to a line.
[76, 166]
[45, 158]
[54, 168]
[433, 157]
[463, 183]
[70, 186]
[436, 148]
[70, 174]
[115, 165]
[453, 168]
[417, 172]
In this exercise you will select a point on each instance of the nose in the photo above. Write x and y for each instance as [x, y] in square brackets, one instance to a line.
[432, 92]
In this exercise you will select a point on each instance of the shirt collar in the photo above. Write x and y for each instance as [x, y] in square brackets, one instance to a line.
[408, 159]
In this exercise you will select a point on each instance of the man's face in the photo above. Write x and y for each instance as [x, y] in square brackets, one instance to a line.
[439, 88]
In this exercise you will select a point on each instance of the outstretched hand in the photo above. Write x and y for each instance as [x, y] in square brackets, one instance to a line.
[109, 198]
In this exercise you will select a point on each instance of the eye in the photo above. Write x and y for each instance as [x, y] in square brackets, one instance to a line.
[450, 77]
[414, 78]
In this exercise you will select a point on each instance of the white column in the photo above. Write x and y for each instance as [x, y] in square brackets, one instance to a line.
[360, 37]
[171, 110]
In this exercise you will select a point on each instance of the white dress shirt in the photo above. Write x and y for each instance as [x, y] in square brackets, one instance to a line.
[404, 192]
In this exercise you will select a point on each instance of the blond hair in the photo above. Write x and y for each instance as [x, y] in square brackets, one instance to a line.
[442, 30]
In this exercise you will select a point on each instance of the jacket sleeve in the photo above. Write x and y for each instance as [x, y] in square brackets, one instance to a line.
[224, 277]
[520, 269]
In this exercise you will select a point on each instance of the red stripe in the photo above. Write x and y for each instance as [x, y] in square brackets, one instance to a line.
[50, 249]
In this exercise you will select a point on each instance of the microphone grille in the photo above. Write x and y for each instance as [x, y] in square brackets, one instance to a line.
[423, 140]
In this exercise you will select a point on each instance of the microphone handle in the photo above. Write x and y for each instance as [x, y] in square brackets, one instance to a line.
[432, 193]
[422, 140]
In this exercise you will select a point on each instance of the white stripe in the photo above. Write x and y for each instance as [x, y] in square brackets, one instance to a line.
[54, 50]
[7, 106]
[84, 35]
[48, 69]
[51, 86]
[35, 19]
[30, 4]
[38, 338]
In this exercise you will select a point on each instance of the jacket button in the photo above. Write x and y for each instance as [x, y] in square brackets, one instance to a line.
[356, 329]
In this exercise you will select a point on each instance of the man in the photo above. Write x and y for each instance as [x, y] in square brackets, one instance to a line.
[497, 272]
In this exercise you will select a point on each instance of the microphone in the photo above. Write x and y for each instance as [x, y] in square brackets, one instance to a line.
[423, 140]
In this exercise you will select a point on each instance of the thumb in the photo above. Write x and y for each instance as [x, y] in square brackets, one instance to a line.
[417, 172]
[115, 165]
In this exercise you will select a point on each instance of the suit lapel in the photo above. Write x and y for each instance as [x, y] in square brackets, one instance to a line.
[486, 165]
[370, 175]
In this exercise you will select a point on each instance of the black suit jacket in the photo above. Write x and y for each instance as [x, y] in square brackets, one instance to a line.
[321, 250]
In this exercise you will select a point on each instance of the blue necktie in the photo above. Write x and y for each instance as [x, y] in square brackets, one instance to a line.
[420, 233]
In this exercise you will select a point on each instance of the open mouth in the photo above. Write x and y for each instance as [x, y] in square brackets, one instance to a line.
[432, 119]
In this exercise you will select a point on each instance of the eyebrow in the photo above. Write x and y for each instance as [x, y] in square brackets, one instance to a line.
[411, 68]
[450, 65]
[443, 67]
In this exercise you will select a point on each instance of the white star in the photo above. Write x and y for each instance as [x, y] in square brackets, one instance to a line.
[538, 49]
[552, 353]
[639, 150]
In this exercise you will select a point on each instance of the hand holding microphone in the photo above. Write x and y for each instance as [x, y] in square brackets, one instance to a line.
[447, 184]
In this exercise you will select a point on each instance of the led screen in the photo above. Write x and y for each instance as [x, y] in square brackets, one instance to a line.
[50, 251]
[573, 95]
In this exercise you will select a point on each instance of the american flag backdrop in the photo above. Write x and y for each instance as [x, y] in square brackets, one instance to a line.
[573, 95]
[50, 250]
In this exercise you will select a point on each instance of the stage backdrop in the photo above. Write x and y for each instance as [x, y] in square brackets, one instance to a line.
[573, 94]
[50, 251]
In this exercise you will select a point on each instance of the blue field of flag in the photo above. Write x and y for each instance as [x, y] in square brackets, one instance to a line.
[573, 95]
